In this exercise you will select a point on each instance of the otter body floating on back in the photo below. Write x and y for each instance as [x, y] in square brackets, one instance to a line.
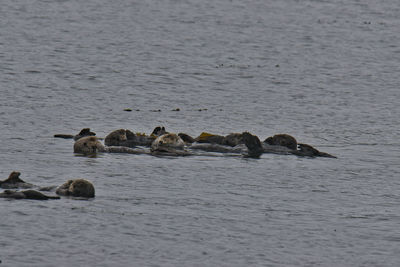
[287, 144]
[75, 188]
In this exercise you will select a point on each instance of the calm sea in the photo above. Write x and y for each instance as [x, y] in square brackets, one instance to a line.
[326, 72]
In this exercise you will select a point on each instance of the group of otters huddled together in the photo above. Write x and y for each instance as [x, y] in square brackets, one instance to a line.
[158, 143]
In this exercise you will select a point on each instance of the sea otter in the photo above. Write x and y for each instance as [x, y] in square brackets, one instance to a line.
[88, 145]
[169, 143]
[76, 188]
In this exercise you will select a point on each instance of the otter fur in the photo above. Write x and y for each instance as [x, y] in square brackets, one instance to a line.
[76, 188]
[282, 140]
[167, 143]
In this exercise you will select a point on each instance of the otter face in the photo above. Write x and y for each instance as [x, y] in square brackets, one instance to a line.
[81, 188]
[88, 145]
[76, 188]
[282, 140]
[166, 142]
[115, 137]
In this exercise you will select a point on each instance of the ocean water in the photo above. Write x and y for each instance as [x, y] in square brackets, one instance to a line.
[326, 72]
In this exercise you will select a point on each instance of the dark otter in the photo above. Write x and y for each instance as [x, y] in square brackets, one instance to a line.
[76, 188]
[282, 140]
[13, 181]
[84, 132]
[88, 145]
[253, 145]
[233, 139]
[309, 151]
[115, 137]
[27, 194]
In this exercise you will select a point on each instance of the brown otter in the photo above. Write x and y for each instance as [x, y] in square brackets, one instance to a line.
[13, 181]
[27, 194]
[76, 188]
[282, 140]
[115, 137]
[88, 145]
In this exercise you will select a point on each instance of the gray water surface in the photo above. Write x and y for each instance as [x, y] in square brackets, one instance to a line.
[326, 72]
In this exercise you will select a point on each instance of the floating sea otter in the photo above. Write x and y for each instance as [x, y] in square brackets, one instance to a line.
[286, 144]
[76, 188]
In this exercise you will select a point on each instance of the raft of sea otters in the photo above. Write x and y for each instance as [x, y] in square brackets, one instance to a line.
[158, 143]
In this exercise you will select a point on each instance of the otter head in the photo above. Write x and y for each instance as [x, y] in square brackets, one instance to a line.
[115, 137]
[167, 141]
[76, 188]
[81, 188]
[88, 145]
[282, 140]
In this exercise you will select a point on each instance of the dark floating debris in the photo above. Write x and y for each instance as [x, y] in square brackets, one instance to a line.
[155, 110]
[128, 109]
[177, 109]
[202, 109]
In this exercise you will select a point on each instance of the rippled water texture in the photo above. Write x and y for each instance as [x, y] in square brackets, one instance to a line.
[326, 72]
